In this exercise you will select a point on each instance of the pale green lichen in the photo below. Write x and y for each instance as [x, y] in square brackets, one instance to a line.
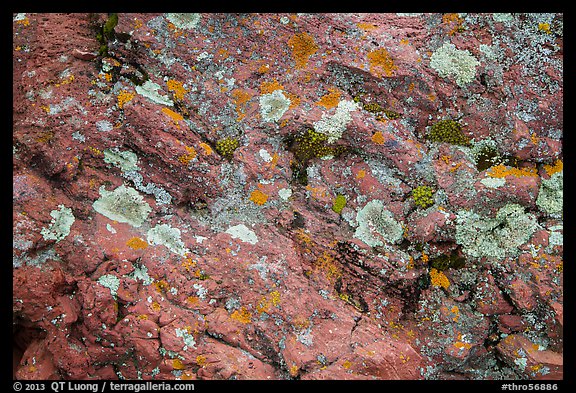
[124, 204]
[150, 89]
[496, 237]
[334, 126]
[243, 233]
[62, 220]
[551, 195]
[111, 282]
[273, 105]
[377, 225]
[185, 21]
[451, 62]
[125, 160]
[167, 236]
[493, 182]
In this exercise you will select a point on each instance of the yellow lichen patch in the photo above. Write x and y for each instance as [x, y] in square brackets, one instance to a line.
[46, 136]
[556, 167]
[200, 360]
[258, 197]
[331, 99]
[24, 22]
[240, 98]
[188, 264]
[303, 46]
[137, 23]
[207, 150]
[137, 244]
[378, 138]
[381, 63]
[161, 285]
[404, 41]
[123, 97]
[346, 364]
[501, 171]
[439, 279]
[155, 306]
[176, 117]
[326, 264]
[454, 310]
[272, 300]
[425, 257]
[294, 370]
[461, 344]
[143, 317]
[177, 364]
[177, 88]
[70, 79]
[189, 156]
[242, 315]
[95, 151]
[361, 174]
[192, 300]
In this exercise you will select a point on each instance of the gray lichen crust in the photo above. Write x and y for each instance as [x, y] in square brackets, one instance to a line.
[377, 225]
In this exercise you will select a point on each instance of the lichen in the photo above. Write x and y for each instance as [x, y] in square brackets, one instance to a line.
[226, 147]
[111, 282]
[551, 194]
[150, 89]
[243, 233]
[334, 126]
[273, 105]
[496, 237]
[303, 46]
[377, 225]
[457, 64]
[62, 220]
[449, 131]
[184, 21]
[339, 203]
[125, 160]
[423, 196]
[124, 204]
[167, 236]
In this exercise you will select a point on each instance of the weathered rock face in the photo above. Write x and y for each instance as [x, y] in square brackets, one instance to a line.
[229, 196]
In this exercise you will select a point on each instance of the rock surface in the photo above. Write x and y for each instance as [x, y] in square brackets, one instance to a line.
[229, 196]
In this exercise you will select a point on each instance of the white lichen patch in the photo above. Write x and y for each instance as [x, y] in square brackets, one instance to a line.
[285, 193]
[185, 21]
[168, 237]
[376, 225]
[62, 220]
[551, 195]
[186, 337]
[450, 62]
[111, 282]
[335, 125]
[493, 182]
[243, 233]
[150, 89]
[125, 160]
[496, 237]
[273, 105]
[141, 273]
[124, 204]
[104, 126]
[265, 155]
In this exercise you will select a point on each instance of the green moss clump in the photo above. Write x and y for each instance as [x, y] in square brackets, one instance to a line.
[226, 147]
[339, 203]
[313, 144]
[449, 131]
[374, 107]
[107, 33]
[423, 196]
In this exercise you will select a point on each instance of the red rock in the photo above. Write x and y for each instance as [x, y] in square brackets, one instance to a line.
[529, 359]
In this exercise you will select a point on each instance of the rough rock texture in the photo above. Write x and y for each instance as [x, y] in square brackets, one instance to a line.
[174, 188]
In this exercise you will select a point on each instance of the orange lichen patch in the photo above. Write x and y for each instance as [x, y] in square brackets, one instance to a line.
[545, 27]
[425, 257]
[142, 317]
[176, 117]
[294, 99]
[453, 22]
[303, 46]
[161, 285]
[300, 322]
[124, 97]
[455, 166]
[258, 197]
[366, 26]
[188, 264]
[501, 171]
[242, 315]
[71, 78]
[461, 344]
[410, 264]
[381, 63]
[46, 136]
[361, 174]
[189, 156]
[446, 159]
[269, 87]
[404, 41]
[200, 360]
[24, 22]
[439, 279]
[137, 244]
[137, 23]
[177, 88]
[431, 97]
[378, 138]
[272, 300]
[264, 68]
[207, 150]
[326, 264]
[346, 364]
[177, 364]
[293, 370]
[317, 192]
[155, 306]
[95, 151]
[454, 310]
[192, 299]
[534, 139]
[240, 98]
[331, 99]
[556, 167]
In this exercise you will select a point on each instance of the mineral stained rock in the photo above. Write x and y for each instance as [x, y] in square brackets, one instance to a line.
[230, 196]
